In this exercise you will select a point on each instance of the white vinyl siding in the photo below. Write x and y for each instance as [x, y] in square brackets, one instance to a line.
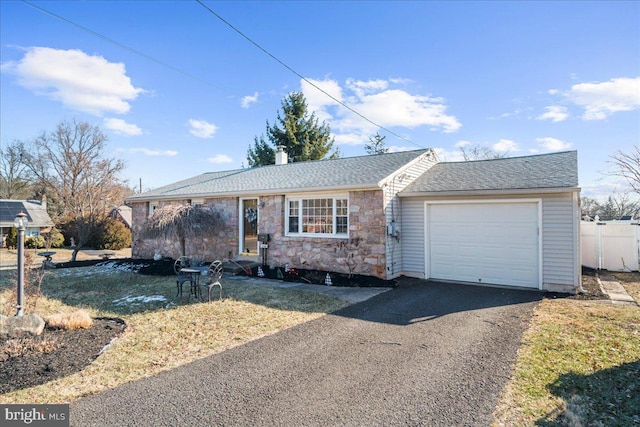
[412, 238]
[394, 212]
[559, 240]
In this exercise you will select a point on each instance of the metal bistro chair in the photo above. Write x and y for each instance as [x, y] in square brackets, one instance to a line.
[214, 274]
[182, 262]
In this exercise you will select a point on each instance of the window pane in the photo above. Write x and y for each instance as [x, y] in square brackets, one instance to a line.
[293, 225]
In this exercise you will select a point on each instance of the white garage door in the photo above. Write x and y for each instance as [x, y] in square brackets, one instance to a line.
[493, 243]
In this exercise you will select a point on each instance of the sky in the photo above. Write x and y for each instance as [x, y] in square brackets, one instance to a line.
[182, 88]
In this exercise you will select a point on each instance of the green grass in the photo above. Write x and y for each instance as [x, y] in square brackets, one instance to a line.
[579, 364]
[162, 331]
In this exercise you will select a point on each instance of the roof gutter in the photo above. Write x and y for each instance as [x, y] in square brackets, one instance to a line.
[509, 191]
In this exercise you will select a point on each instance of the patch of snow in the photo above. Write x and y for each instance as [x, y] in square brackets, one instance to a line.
[139, 300]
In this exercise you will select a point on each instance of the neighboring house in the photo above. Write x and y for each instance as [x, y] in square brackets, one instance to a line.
[511, 221]
[39, 220]
[123, 214]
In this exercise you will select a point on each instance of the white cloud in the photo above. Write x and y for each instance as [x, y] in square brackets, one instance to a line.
[362, 88]
[121, 127]
[462, 143]
[79, 81]
[601, 99]
[553, 91]
[249, 99]
[220, 158]
[380, 103]
[201, 128]
[553, 144]
[505, 146]
[515, 112]
[148, 152]
[555, 113]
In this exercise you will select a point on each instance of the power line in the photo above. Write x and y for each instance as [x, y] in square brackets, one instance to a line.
[130, 49]
[301, 76]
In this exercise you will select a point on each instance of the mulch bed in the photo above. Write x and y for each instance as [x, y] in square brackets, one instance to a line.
[74, 349]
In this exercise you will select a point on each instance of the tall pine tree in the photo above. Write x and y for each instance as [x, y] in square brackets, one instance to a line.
[299, 132]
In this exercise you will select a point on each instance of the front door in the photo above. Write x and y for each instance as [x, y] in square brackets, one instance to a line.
[249, 229]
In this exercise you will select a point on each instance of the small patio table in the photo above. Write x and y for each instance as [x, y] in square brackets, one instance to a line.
[194, 280]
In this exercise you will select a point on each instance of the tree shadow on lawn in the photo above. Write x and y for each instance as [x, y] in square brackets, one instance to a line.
[608, 397]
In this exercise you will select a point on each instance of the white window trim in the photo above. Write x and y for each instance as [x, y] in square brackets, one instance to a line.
[152, 207]
[302, 197]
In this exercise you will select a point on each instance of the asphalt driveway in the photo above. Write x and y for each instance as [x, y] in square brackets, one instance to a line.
[427, 354]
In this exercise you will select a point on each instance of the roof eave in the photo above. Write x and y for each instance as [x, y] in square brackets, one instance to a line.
[270, 192]
[508, 191]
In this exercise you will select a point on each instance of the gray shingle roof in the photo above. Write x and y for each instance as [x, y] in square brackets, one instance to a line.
[555, 170]
[343, 173]
[36, 213]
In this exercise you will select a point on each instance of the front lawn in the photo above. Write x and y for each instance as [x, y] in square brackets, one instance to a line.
[162, 332]
[579, 365]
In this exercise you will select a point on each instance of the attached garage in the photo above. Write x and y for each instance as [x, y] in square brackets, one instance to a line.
[510, 222]
[474, 242]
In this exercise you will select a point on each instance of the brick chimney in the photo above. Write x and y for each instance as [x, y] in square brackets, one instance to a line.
[281, 156]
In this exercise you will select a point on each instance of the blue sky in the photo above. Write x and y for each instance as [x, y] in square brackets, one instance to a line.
[179, 92]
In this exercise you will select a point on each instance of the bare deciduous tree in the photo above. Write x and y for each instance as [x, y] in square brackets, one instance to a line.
[480, 152]
[616, 206]
[14, 173]
[182, 221]
[628, 166]
[69, 163]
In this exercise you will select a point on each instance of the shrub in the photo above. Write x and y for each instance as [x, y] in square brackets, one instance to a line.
[54, 238]
[77, 320]
[112, 235]
[12, 238]
[34, 242]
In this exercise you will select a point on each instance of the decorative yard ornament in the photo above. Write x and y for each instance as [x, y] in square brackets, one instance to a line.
[327, 280]
[260, 272]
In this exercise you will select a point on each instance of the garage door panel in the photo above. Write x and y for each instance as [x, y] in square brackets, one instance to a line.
[484, 243]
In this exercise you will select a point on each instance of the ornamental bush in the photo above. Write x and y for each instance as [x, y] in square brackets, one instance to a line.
[112, 235]
[12, 238]
[54, 238]
[34, 242]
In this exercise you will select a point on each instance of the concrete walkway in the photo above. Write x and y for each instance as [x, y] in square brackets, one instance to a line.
[345, 293]
[617, 293]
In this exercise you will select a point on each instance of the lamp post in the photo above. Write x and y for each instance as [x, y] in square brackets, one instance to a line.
[21, 224]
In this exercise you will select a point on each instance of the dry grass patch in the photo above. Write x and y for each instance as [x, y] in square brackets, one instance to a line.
[79, 319]
[162, 332]
[579, 364]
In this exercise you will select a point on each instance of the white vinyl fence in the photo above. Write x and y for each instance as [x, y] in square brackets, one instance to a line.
[610, 245]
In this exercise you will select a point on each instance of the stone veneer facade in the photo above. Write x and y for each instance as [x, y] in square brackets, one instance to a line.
[364, 252]
[223, 244]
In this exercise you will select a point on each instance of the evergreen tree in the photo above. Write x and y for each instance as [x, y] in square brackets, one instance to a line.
[377, 145]
[299, 132]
